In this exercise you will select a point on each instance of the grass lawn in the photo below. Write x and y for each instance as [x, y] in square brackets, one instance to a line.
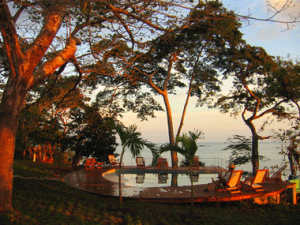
[42, 201]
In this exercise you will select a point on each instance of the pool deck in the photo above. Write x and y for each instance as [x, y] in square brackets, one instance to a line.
[93, 181]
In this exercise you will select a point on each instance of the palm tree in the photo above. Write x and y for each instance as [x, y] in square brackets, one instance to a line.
[187, 146]
[130, 138]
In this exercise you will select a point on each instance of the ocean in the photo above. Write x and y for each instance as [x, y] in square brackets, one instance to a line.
[211, 154]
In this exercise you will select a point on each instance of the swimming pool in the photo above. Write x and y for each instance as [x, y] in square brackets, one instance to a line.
[157, 178]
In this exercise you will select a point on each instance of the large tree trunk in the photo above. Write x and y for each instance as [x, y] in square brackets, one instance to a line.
[23, 77]
[11, 104]
[76, 158]
[292, 165]
[292, 155]
[255, 138]
[174, 156]
[255, 158]
[8, 128]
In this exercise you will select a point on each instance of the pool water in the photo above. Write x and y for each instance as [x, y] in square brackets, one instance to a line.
[159, 179]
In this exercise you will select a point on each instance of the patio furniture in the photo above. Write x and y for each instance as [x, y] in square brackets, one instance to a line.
[91, 163]
[140, 161]
[233, 184]
[113, 161]
[277, 175]
[256, 183]
[162, 162]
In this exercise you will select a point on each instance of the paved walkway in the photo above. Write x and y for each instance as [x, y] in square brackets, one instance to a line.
[93, 181]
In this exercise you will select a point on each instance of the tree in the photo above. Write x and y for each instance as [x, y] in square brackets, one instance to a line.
[90, 134]
[257, 91]
[26, 46]
[25, 73]
[130, 139]
[290, 146]
[286, 83]
[43, 119]
[240, 150]
[275, 9]
[175, 60]
[188, 148]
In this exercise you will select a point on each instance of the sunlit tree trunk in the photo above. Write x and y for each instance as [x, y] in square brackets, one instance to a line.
[22, 78]
[174, 180]
[174, 156]
[8, 128]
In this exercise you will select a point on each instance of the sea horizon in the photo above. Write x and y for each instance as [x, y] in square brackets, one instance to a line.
[212, 154]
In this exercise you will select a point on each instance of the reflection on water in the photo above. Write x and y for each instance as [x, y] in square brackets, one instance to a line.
[140, 178]
[160, 179]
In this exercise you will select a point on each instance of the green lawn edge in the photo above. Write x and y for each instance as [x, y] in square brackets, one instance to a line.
[46, 201]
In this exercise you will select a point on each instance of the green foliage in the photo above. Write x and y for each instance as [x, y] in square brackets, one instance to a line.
[240, 150]
[290, 140]
[185, 162]
[186, 145]
[43, 118]
[91, 134]
[181, 58]
[131, 139]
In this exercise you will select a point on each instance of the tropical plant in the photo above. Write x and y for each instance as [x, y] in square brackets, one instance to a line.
[130, 139]
[263, 88]
[240, 150]
[90, 134]
[40, 40]
[182, 58]
[290, 139]
[186, 146]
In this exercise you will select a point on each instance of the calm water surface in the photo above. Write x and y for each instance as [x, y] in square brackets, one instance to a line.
[211, 153]
[159, 179]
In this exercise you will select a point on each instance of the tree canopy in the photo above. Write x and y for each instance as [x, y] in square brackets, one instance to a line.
[181, 58]
[41, 38]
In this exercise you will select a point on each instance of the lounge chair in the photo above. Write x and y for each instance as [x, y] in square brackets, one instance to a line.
[277, 175]
[140, 161]
[162, 162]
[91, 163]
[113, 161]
[256, 183]
[232, 185]
[195, 163]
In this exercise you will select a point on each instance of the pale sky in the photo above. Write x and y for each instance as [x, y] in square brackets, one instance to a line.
[217, 127]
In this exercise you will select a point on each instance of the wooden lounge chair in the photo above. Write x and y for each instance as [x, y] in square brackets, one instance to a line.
[162, 162]
[113, 161]
[195, 163]
[91, 163]
[277, 175]
[140, 161]
[256, 183]
[232, 185]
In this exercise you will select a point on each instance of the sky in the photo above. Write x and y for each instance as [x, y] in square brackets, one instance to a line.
[275, 38]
